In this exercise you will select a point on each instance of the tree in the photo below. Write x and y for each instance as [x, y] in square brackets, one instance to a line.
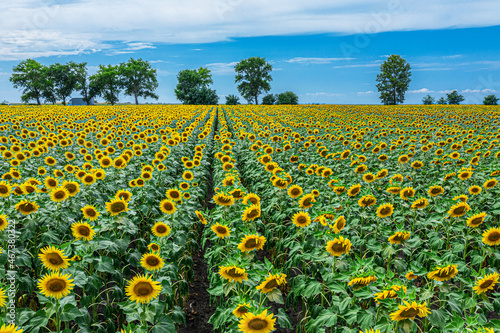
[428, 100]
[232, 100]
[442, 101]
[192, 87]
[454, 97]
[253, 75]
[269, 99]
[106, 83]
[288, 97]
[393, 80]
[64, 78]
[83, 83]
[491, 100]
[32, 77]
[139, 79]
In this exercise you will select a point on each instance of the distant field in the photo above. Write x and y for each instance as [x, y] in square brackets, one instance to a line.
[311, 218]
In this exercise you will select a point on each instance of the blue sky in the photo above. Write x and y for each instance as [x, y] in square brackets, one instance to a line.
[324, 51]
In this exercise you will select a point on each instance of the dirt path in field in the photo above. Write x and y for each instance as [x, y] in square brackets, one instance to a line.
[197, 308]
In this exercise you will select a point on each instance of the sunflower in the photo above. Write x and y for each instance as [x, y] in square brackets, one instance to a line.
[50, 182]
[420, 203]
[475, 190]
[233, 273]
[26, 207]
[153, 247]
[459, 209]
[251, 213]
[4, 223]
[252, 242]
[385, 210]
[59, 194]
[399, 237]
[72, 187]
[167, 206]
[394, 190]
[339, 224]
[116, 206]
[188, 176]
[476, 220]
[241, 310]
[462, 198]
[5, 189]
[410, 276]
[174, 194]
[295, 191]
[90, 212]
[53, 258]
[261, 323]
[338, 246]
[152, 262]
[339, 189]
[370, 331]
[200, 216]
[444, 273]
[410, 311]
[490, 183]
[11, 328]
[369, 177]
[353, 190]
[435, 190]
[389, 293]
[417, 164]
[367, 201]
[55, 285]
[82, 230]
[465, 175]
[3, 299]
[221, 231]
[224, 199]
[161, 229]
[406, 193]
[271, 282]
[301, 219]
[360, 282]
[307, 201]
[252, 198]
[142, 289]
[124, 195]
[491, 237]
[486, 283]
[49, 160]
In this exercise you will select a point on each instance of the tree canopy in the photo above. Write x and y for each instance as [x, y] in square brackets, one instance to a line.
[138, 79]
[31, 76]
[269, 99]
[491, 100]
[288, 97]
[253, 76]
[193, 87]
[232, 100]
[393, 80]
[454, 97]
[106, 83]
[428, 100]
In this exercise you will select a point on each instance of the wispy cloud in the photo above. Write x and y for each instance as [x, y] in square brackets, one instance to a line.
[373, 64]
[222, 67]
[315, 61]
[369, 92]
[453, 56]
[316, 94]
[420, 91]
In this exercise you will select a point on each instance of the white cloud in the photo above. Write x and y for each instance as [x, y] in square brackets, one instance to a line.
[369, 92]
[302, 60]
[374, 64]
[453, 56]
[324, 94]
[73, 27]
[470, 91]
[222, 67]
[420, 91]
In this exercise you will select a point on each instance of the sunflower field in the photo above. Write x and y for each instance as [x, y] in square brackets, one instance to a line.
[311, 218]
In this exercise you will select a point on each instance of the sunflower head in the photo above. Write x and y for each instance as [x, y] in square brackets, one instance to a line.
[221, 231]
[56, 285]
[116, 206]
[142, 289]
[82, 230]
[152, 262]
[161, 229]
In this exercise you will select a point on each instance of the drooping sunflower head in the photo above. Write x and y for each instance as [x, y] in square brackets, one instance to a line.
[233, 273]
[200, 216]
[367, 201]
[420, 203]
[53, 258]
[161, 229]
[435, 190]
[353, 190]
[399, 237]
[26, 207]
[142, 289]
[222, 199]
[459, 209]
[338, 246]
[406, 193]
[307, 201]
[152, 262]
[443, 273]
[410, 276]
[361, 281]
[56, 285]
[252, 242]
[252, 198]
[410, 311]
[271, 282]
[241, 310]
[124, 195]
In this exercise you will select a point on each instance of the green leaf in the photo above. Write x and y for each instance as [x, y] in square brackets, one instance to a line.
[164, 325]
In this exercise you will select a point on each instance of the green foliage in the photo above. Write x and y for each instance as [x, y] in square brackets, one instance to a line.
[64, 78]
[393, 80]
[454, 98]
[232, 100]
[269, 99]
[253, 76]
[491, 100]
[106, 83]
[192, 87]
[83, 84]
[288, 97]
[138, 79]
[442, 101]
[31, 76]
[428, 100]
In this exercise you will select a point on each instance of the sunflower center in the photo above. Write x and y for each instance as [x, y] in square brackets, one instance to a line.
[494, 236]
[486, 284]
[301, 220]
[232, 273]
[338, 247]
[59, 195]
[251, 243]
[257, 324]
[168, 206]
[444, 274]
[435, 191]
[27, 207]
[398, 238]
[221, 230]
[4, 189]
[152, 261]
[253, 201]
[242, 309]
[143, 288]
[117, 207]
[409, 313]
[476, 221]
[253, 213]
[52, 183]
[271, 284]
[340, 224]
[54, 259]
[90, 212]
[355, 191]
[385, 210]
[84, 231]
[56, 285]
[161, 229]
[459, 210]
[295, 191]
[307, 202]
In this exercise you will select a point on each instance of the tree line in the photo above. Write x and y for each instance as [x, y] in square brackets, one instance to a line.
[57, 82]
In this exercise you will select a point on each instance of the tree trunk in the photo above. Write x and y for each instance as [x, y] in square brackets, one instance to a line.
[38, 100]
[64, 101]
[256, 100]
[136, 100]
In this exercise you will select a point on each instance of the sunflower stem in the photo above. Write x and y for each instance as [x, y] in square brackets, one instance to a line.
[58, 317]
